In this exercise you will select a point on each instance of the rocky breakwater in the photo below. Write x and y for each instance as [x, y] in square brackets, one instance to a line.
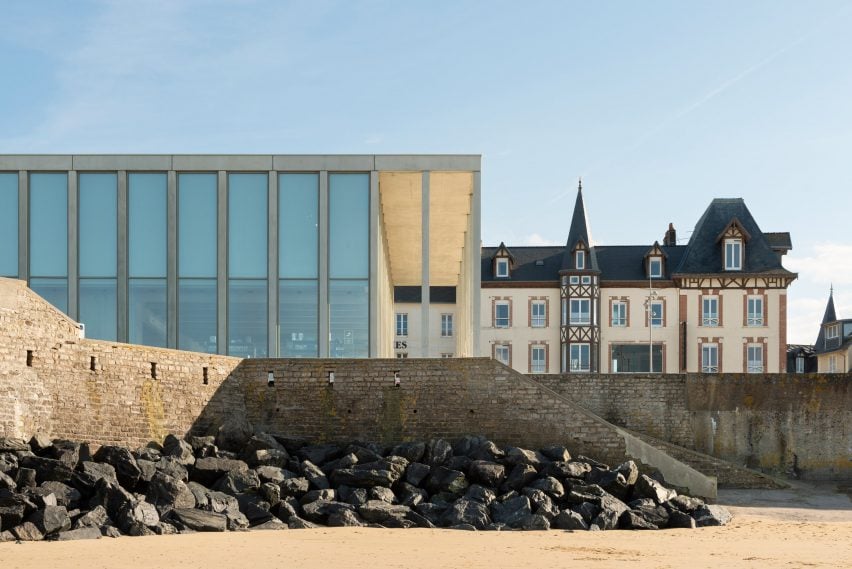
[240, 480]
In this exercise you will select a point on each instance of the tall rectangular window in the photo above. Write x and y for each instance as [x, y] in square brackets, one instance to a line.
[754, 358]
[538, 359]
[98, 254]
[709, 311]
[581, 311]
[657, 315]
[298, 265]
[655, 267]
[502, 266]
[48, 237]
[580, 357]
[503, 354]
[446, 325]
[298, 318]
[8, 224]
[349, 264]
[501, 314]
[401, 324]
[733, 254]
[197, 265]
[619, 313]
[146, 246]
[538, 315]
[710, 358]
[580, 257]
[247, 265]
[754, 311]
[349, 324]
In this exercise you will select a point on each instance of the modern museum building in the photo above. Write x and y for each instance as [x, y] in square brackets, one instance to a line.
[245, 255]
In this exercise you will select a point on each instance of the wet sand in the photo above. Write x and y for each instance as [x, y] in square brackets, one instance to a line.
[805, 526]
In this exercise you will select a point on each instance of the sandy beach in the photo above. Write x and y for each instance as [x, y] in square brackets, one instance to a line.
[805, 526]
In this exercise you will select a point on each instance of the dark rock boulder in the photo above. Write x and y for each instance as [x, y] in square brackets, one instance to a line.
[520, 476]
[316, 477]
[376, 511]
[443, 479]
[126, 469]
[634, 520]
[416, 473]
[512, 511]
[438, 451]
[199, 520]
[47, 468]
[27, 531]
[550, 486]
[167, 492]
[238, 481]
[487, 473]
[647, 487]
[7, 482]
[50, 520]
[681, 520]
[234, 434]
[320, 454]
[541, 504]
[569, 520]
[465, 511]
[208, 470]
[516, 456]
[412, 452]
[534, 522]
[711, 515]
[344, 518]
[94, 518]
[481, 494]
[556, 453]
[79, 533]
[179, 449]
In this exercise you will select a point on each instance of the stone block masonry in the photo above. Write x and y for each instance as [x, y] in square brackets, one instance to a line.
[110, 393]
[796, 425]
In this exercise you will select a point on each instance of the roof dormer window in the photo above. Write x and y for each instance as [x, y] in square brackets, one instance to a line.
[501, 268]
[733, 254]
[655, 267]
[580, 259]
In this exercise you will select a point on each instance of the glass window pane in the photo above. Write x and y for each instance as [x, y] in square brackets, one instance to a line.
[146, 225]
[247, 318]
[349, 319]
[298, 319]
[298, 225]
[247, 219]
[55, 291]
[8, 225]
[197, 315]
[197, 218]
[146, 307]
[98, 225]
[349, 225]
[98, 308]
[49, 225]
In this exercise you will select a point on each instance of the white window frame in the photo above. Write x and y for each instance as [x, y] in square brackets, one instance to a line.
[800, 363]
[580, 259]
[710, 358]
[538, 314]
[586, 279]
[504, 349]
[662, 318]
[754, 311]
[577, 351]
[618, 317]
[402, 318]
[832, 331]
[402, 355]
[733, 254]
[832, 364]
[501, 268]
[502, 321]
[754, 358]
[574, 279]
[580, 317]
[538, 363]
[446, 325]
[447, 356]
[710, 311]
[655, 263]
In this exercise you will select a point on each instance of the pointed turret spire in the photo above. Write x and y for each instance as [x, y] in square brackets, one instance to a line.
[830, 315]
[578, 234]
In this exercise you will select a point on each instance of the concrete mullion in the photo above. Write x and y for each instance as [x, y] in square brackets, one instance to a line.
[424, 264]
[73, 247]
[374, 265]
[23, 225]
[475, 264]
[323, 338]
[272, 267]
[222, 264]
[171, 260]
[121, 256]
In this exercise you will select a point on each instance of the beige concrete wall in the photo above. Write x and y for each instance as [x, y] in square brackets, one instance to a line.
[733, 334]
[842, 360]
[637, 331]
[520, 335]
[437, 345]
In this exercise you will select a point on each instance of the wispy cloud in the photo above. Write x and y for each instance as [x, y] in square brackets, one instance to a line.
[536, 239]
[830, 263]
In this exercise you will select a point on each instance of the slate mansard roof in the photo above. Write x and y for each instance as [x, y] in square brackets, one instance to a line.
[701, 256]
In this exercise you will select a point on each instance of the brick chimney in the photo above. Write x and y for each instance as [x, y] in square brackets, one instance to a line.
[670, 239]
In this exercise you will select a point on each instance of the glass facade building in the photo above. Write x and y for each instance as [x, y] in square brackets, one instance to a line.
[251, 256]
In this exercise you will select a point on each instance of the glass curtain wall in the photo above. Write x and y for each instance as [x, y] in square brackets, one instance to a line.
[247, 265]
[298, 261]
[147, 237]
[98, 263]
[197, 265]
[349, 265]
[8, 224]
[48, 237]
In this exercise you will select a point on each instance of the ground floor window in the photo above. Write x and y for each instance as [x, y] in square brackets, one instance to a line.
[634, 358]
[503, 354]
[538, 359]
[754, 358]
[580, 357]
[710, 358]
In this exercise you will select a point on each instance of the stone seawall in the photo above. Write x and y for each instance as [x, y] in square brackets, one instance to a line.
[788, 424]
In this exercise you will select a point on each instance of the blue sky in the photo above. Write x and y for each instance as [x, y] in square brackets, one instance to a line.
[659, 106]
